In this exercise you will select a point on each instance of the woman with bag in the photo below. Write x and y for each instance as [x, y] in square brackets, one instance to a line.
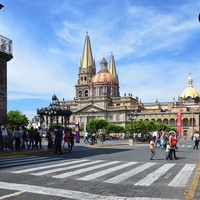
[66, 142]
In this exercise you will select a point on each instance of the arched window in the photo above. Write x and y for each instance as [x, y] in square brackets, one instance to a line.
[79, 94]
[86, 93]
[85, 78]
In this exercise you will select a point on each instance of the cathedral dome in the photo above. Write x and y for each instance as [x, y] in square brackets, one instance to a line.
[103, 76]
[190, 92]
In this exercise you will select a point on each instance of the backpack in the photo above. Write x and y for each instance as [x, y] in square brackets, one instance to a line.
[195, 138]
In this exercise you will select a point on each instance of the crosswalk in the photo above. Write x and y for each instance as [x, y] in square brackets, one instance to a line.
[9, 162]
[114, 172]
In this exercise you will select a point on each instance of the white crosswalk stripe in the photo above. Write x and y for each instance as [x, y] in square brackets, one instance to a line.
[24, 160]
[129, 173]
[115, 172]
[183, 176]
[152, 177]
[104, 172]
[85, 170]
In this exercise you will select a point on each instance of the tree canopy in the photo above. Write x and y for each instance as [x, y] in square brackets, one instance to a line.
[16, 118]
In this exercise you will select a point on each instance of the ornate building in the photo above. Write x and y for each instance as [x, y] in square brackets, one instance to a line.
[98, 96]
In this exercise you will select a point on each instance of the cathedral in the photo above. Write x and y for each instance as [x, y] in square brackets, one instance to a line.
[97, 95]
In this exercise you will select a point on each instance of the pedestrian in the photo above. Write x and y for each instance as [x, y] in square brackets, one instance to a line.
[196, 140]
[93, 139]
[71, 139]
[24, 138]
[173, 143]
[66, 141]
[17, 138]
[40, 137]
[152, 148]
[50, 139]
[36, 138]
[86, 137]
[168, 151]
[4, 133]
[31, 138]
[58, 139]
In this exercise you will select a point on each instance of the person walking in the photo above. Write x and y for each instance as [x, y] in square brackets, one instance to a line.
[40, 137]
[24, 138]
[4, 133]
[66, 141]
[71, 139]
[31, 138]
[86, 137]
[168, 151]
[196, 140]
[58, 139]
[152, 148]
[17, 138]
[173, 143]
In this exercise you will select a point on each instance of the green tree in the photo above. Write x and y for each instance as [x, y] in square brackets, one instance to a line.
[95, 124]
[16, 118]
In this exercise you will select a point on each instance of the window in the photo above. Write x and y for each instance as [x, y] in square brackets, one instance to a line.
[101, 91]
[94, 91]
[79, 94]
[108, 91]
[86, 93]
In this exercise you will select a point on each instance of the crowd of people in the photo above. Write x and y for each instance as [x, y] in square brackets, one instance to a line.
[167, 141]
[58, 139]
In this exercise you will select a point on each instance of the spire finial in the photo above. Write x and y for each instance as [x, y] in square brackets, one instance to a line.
[86, 32]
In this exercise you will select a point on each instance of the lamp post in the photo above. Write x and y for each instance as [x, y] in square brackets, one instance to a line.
[132, 116]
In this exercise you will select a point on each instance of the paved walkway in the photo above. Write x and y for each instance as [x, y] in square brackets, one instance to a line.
[99, 144]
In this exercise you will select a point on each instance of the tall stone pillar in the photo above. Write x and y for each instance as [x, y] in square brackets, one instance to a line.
[5, 56]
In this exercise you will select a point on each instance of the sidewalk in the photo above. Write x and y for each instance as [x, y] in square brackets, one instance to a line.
[44, 150]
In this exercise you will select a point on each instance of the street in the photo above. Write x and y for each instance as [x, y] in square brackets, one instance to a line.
[111, 172]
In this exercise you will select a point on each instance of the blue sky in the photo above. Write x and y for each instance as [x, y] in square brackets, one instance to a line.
[156, 44]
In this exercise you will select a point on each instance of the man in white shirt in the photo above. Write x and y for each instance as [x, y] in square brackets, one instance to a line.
[4, 132]
[196, 140]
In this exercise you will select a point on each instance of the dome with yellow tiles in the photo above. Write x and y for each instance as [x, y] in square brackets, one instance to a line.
[190, 91]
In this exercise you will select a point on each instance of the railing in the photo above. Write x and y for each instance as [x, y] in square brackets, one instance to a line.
[5, 45]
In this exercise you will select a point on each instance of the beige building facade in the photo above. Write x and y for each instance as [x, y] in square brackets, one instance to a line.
[98, 96]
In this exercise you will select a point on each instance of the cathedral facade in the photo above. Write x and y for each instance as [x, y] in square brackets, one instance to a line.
[97, 95]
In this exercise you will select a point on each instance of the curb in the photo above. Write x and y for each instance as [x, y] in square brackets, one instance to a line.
[190, 194]
[24, 153]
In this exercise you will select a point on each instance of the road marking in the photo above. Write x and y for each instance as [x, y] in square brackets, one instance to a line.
[128, 174]
[68, 174]
[71, 194]
[66, 168]
[104, 172]
[48, 166]
[181, 179]
[150, 178]
[10, 195]
[195, 182]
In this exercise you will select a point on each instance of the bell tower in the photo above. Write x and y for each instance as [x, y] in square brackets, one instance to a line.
[5, 56]
[87, 70]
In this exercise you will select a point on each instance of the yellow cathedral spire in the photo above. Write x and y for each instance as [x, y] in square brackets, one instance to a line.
[112, 68]
[87, 58]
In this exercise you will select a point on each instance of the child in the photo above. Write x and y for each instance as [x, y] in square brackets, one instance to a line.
[168, 152]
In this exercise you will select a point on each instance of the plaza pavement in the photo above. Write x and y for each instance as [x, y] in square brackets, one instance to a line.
[192, 194]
